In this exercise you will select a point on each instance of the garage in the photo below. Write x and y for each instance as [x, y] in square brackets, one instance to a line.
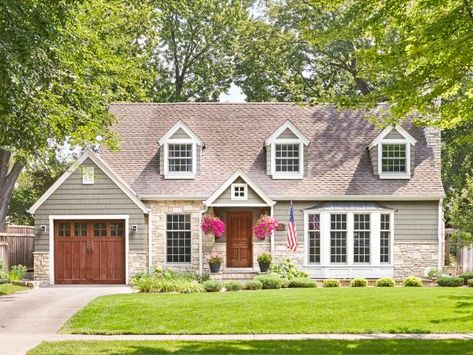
[89, 251]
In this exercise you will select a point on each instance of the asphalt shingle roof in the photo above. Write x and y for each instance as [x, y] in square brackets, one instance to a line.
[234, 136]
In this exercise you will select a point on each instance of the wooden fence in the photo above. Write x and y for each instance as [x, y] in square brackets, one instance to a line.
[16, 246]
[467, 259]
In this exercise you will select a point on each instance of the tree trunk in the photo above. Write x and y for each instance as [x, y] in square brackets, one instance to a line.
[8, 177]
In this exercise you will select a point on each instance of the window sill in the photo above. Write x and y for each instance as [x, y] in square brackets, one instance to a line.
[402, 176]
[177, 177]
[277, 176]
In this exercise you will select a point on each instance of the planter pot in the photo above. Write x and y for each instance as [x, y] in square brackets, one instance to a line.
[264, 267]
[214, 267]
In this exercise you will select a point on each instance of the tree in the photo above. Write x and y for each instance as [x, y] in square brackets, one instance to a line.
[61, 63]
[198, 42]
[460, 211]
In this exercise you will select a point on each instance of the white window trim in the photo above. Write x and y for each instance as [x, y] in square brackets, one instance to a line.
[287, 175]
[393, 175]
[165, 243]
[178, 174]
[85, 180]
[245, 192]
[375, 235]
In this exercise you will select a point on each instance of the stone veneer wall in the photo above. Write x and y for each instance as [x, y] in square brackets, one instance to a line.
[159, 210]
[415, 258]
[137, 262]
[41, 266]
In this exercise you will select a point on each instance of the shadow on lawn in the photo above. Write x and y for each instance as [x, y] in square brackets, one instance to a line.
[406, 346]
[463, 312]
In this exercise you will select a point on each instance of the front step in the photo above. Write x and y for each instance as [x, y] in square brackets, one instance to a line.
[235, 274]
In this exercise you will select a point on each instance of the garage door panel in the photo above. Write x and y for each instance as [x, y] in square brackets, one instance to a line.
[89, 252]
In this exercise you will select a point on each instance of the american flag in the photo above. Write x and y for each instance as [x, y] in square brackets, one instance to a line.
[291, 231]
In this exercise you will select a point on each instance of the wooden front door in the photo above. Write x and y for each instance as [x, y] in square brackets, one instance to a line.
[88, 252]
[239, 239]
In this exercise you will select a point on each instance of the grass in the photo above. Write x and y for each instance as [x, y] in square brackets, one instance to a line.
[342, 310]
[8, 289]
[258, 347]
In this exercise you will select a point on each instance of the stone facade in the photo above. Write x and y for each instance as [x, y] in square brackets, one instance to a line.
[137, 262]
[41, 266]
[416, 259]
[159, 211]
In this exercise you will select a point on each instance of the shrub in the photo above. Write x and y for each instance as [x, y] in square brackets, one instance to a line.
[265, 258]
[466, 276]
[17, 272]
[157, 284]
[287, 269]
[331, 283]
[412, 281]
[447, 281]
[359, 282]
[254, 285]
[233, 285]
[302, 282]
[470, 282]
[212, 286]
[385, 282]
[433, 273]
[270, 281]
[4, 279]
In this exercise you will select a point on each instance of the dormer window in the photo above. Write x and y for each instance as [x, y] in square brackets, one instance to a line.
[392, 153]
[179, 156]
[286, 146]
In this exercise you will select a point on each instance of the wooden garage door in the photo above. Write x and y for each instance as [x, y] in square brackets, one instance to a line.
[88, 252]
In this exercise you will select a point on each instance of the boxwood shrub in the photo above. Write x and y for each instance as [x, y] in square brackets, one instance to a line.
[470, 282]
[270, 281]
[466, 276]
[331, 283]
[412, 281]
[302, 282]
[212, 286]
[359, 282]
[233, 286]
[447, 281]
[385, 282]
[254, 285]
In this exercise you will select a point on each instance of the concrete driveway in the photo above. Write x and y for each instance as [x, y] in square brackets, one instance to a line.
[29, 317]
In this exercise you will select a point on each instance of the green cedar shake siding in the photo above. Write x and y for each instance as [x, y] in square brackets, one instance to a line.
[101, 198]
[287, 134]
[394, 134]
[415, 221]
[226, 196]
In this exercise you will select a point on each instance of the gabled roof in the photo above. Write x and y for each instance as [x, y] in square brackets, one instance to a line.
[387, 130]
[287, 125]
[239, 174]
[180, 125]
[89, 154]
[338, 165]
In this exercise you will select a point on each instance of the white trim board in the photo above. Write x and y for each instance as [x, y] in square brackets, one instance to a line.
[287, 125]
[175, 128]
[388, 129]
[239, 174]
[53, 218]
[89, 154]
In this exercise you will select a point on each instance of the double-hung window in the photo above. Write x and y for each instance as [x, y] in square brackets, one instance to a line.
[178, 238]
[180, 158]
[338, 238]
[394, 158]
[287, 158]
[361, 238]
[385, 238]
[314, 238]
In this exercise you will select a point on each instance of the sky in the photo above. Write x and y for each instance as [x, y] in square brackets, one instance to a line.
[234, 94]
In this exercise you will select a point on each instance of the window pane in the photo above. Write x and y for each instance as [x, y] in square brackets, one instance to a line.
[287, 157]
[80, 229]
[180, 157]
[385, 238]
[394, 158]
[314, 238]
[361, 238]
[116, 229]
[100, 229]
[338, 238]
[178, 238]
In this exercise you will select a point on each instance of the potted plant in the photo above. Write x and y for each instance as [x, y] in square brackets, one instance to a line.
[214, 261]
[264, 261]
[213, 225]
[264, 227]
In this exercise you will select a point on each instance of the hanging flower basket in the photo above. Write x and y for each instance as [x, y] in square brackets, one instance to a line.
[264, 227]
[213, 225]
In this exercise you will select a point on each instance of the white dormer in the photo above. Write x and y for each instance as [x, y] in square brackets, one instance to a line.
[180, 146]
[286, 152]
[392, 153]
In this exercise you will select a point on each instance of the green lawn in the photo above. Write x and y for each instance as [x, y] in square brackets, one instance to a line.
[7, 289]
[344, 310]
[259, 347]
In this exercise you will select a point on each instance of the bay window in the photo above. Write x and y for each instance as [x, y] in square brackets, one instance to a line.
[314, 238]
[338, 238]
[361, 238]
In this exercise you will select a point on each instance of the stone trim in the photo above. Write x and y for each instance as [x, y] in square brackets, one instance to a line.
[137, 262]
[414, 258]
[41, 266]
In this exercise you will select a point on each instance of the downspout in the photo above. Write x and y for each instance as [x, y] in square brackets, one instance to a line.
[201, 258]
[440, 235]
[150, 243]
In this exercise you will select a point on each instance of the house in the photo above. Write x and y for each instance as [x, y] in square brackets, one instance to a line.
[367, 201]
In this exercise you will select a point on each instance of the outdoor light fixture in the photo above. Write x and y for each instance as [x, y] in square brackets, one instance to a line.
[134, 228]
[43, 228]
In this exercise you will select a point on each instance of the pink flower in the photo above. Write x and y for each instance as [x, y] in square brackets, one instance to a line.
[211, 224]
[265, 226]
